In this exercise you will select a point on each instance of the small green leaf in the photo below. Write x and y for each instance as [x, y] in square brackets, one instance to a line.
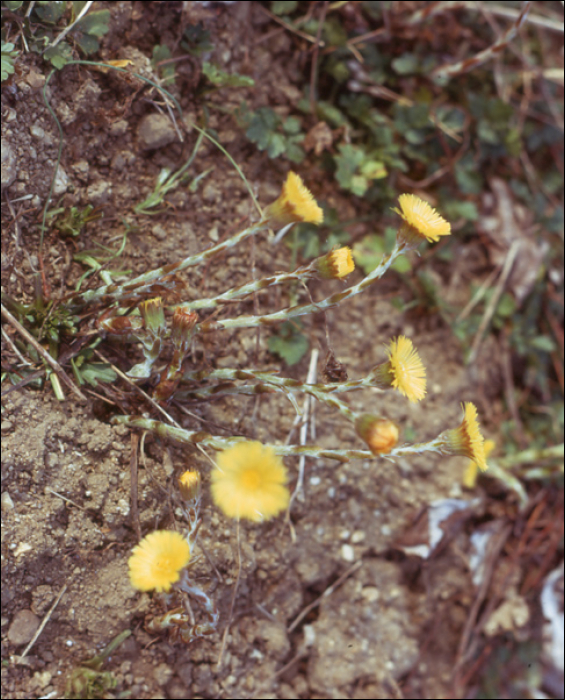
[95, 23]
[406, 64]
[544, 343]
[59, 55]
[278, 7]
[222, 79]
[50, 12]
[94, 372]
[295, 153]
[167, 72]
[197, 40]
[8, 55]
[289, 344]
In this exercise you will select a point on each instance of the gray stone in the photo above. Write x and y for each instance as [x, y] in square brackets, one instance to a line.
[23, 627]
[155, 131]
[9, 160]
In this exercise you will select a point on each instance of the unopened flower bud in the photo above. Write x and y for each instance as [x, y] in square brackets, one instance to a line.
[153, 315]
[335, 264]
[380, 434]
[183, 325]
[190, 485]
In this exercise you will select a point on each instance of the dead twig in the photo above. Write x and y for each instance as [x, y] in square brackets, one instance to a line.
[133, 485]
[491, 308]
[234, 594]
[329, 590]
[55, 366]
[42, 625]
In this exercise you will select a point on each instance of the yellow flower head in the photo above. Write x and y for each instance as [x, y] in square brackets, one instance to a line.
[335, 264]
[470, 476]
[249, 481]
[420, 220]
[296, 203]
[380, 434]
[467, 440]
[156, 562]
[190, 485]
[406, 369]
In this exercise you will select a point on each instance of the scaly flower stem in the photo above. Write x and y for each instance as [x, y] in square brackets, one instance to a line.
[114, 292]
[193, 437]
[208, 392]
[286, 382]
[303, 309]
[319, 391]
[254, 389]
[249, 288]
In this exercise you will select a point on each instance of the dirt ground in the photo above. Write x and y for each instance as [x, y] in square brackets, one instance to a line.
[392, 625]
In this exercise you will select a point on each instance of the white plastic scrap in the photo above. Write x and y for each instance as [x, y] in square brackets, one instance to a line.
[552, 608]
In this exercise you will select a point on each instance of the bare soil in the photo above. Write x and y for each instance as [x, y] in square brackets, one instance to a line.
[392, 625]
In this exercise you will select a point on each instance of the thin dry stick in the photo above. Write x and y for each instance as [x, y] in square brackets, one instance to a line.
[292, 28]
[307, 410]
[325, 594]
[236, 586]
[64, 498]
[510, 389]
[133, 485]
[491, 308]
[314, 67]
[451, 70]
[67, 29]
[479, 294]
[43, 623]
[15, 350]
[55, 366]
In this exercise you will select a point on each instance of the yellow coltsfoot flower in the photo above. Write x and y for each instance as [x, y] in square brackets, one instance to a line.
[404, 371]
[471, 473]
[249, 481]
[156, 562]
[467, 440]
[336, 264]
[295, 204]
[380, 434]
[421, 221]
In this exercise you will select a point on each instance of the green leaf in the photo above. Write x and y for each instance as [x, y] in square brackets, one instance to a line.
[95, 23]
[197, 40]
[292, 125]
[59, 55]
[167, 72]
[458, 209]
[94, 372]
[277, 145]
[544, 343]
[290, 344]
[263, 123]
[506, 306]
[406, 64]
[8, 55]
[222, 79]
[295, 153]
[87, 44]
[278, 7]
[50, 12]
